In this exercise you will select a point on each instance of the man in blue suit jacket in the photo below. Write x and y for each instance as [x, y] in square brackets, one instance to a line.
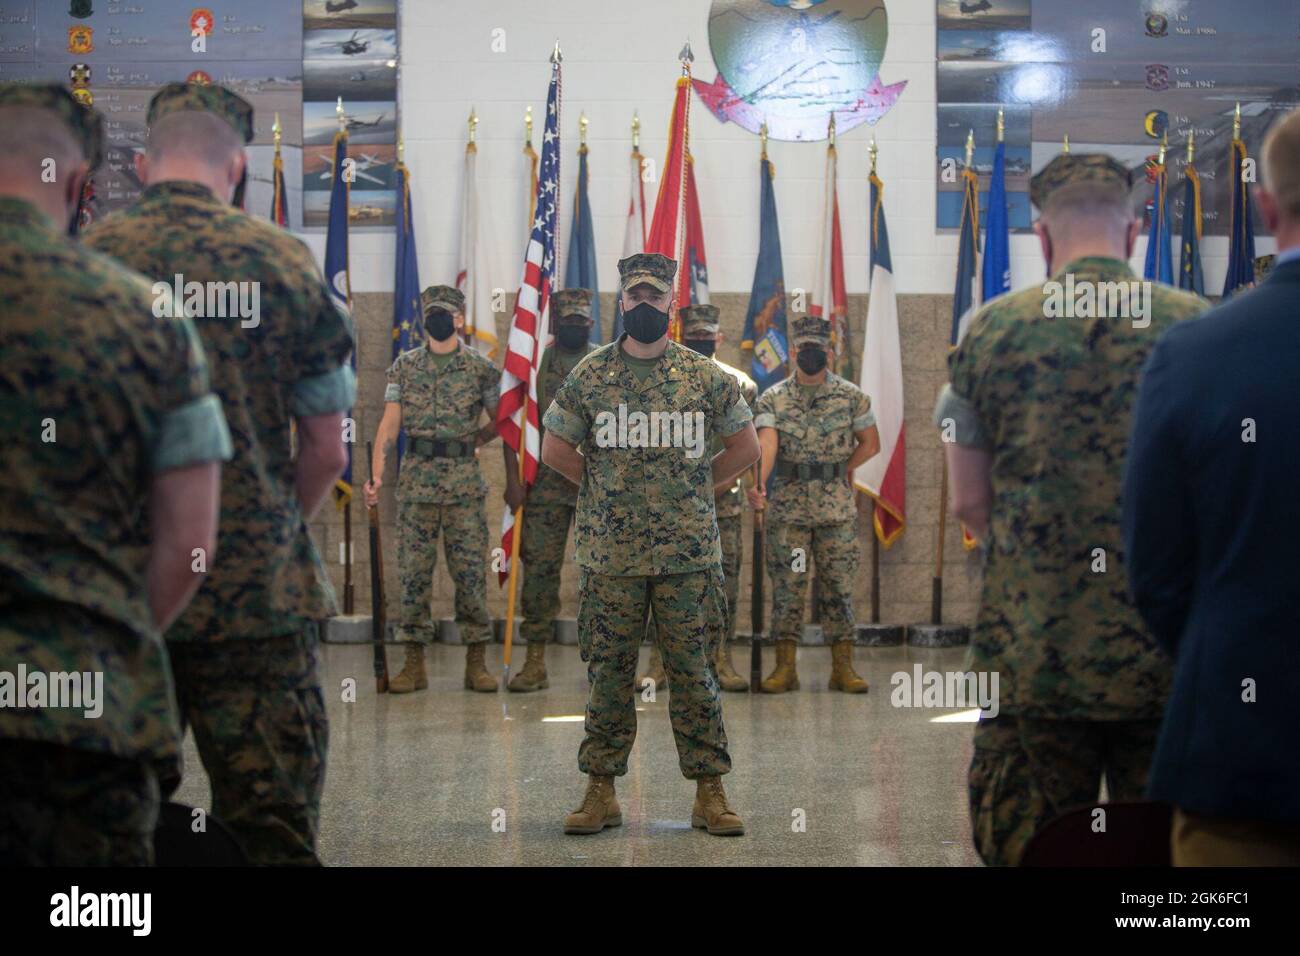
[1212, 533]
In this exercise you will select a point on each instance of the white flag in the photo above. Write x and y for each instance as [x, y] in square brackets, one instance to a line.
[471, 277]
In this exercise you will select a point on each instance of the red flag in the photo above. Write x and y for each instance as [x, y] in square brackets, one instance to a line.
[693, 268]
[667, 234]
[829, 297]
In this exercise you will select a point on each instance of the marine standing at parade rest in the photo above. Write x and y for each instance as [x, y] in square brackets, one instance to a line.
[245, 655]
[701, 332]
[438, 393]
[1036, 415]
[113, 442]
[549, 504]
[815, 429]
[632, 427]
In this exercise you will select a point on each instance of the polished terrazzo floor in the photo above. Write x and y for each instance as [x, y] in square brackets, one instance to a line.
[446, 776]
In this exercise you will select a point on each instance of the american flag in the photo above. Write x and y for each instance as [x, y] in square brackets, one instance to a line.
[517, 413]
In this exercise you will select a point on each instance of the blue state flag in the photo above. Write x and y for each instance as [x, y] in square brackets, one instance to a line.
[336, 276]
[1241, 242]
[580, 270]
[996, 278]
[1160, 257]
[407, 323]
[1190, 276]
[765, 327]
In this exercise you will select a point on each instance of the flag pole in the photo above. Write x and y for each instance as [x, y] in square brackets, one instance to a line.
[936, 633]
[347, 506]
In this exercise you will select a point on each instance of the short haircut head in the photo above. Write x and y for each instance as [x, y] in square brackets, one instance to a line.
[1281, 156]
[194, 136]
[33, 135]
[1089, 209]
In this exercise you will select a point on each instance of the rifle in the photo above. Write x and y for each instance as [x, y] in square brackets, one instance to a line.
[378, 609]
[756, 599]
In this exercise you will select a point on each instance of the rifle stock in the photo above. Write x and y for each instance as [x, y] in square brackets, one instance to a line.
[378, 606]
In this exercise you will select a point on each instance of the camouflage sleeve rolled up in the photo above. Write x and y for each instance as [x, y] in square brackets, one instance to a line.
[192, 428]
[490, 389]
[566, 418]
[765, 411]
[959, 401]
[393, 390]
[325, 381]
[729, 412]
[863, 416]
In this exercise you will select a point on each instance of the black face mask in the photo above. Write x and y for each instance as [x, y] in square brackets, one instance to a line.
[441, 325]
[703, 346]
[811, 361]
[571, 337]
[645, 323]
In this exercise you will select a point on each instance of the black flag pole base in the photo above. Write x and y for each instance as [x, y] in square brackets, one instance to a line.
[880, 635]
[938, 635]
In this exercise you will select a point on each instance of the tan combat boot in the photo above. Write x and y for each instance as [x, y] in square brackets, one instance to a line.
[412, 676]
[843, 677]
[476, 675]
[728, 679]
[711, 811]
[654, 671]
[533, 676]
[783, 677]
[599, 808]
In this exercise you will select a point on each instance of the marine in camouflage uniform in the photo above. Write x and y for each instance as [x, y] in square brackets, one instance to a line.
[550, 504]
[647, 539]
[816, 428]
[100, 397]
[701, 332]
[245, 655]
[1048, 398]
[438, 399]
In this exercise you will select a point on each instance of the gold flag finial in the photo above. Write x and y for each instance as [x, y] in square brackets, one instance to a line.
[970, 148]
[872, 151]
[276, 131]
[1164, 146]
[1236, 122]
[528, 126]
[1191, 145]
[401, 150]
[473, 124]
[338, 111]
[687, 58]
[583, 123]
[762, 139]
[830, 130]
[1002, 124]
[556, 55]
[1065, 144]
[636, 131]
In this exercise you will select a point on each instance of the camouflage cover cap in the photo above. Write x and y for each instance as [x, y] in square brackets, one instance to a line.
[204, 98]
[86, 124]
[699, 321]
[649, 267]
[571, 306]
[442, 297]
[1070, 169]
[813, 330]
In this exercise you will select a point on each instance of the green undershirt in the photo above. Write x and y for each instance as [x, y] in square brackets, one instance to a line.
[440, 359]
[640, 367]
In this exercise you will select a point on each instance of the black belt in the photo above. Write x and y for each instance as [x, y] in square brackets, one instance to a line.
[441, 448]
[810, 470]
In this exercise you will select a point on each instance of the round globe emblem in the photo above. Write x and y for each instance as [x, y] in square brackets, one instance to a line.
[791, 63]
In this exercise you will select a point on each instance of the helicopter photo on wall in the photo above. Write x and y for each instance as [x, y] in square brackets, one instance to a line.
[352, 14]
